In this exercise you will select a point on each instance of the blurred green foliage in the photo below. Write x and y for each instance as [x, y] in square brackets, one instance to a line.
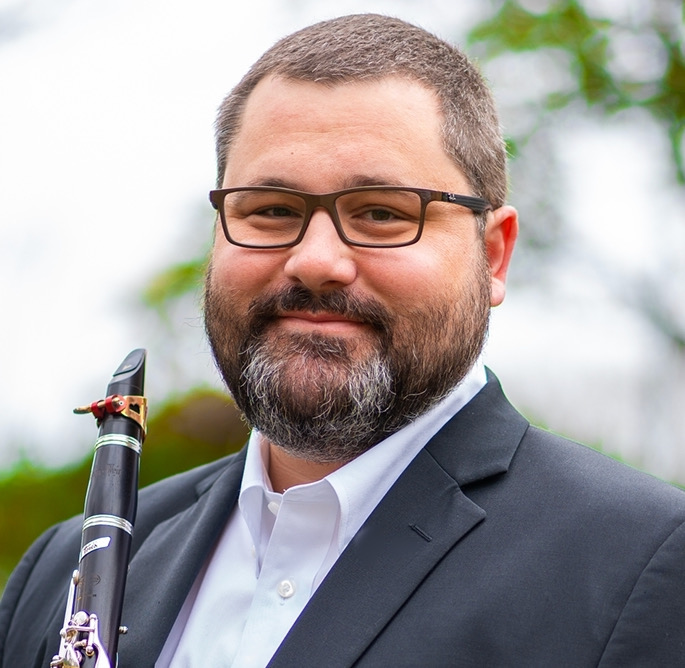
[173, 283]
[628, 66]
[596, 50]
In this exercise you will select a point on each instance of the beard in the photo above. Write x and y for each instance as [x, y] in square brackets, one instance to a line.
[329, 399]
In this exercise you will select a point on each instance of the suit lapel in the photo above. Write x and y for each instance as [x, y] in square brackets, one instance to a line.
[167, 563]
[401, 542]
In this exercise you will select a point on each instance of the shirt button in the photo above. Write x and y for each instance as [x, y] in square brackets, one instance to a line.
[273, 506]
[286, 588]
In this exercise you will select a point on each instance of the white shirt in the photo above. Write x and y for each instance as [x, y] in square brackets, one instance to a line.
[276, 548]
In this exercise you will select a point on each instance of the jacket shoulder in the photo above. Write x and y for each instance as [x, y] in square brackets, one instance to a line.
[568, 465]
[184, 487]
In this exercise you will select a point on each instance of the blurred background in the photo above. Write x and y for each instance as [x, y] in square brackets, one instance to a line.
[106, 158]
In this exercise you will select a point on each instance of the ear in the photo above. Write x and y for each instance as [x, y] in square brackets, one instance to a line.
[501, 231]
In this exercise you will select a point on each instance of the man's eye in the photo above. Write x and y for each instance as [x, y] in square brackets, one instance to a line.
[276, 212]
[380, 215]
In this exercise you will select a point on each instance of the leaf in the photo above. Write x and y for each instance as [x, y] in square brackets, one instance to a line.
[174, 282]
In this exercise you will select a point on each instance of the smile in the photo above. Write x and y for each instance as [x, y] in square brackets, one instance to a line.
[325, 323]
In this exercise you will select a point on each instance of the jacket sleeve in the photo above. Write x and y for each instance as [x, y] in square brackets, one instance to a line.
[651, 628]
[15, 588]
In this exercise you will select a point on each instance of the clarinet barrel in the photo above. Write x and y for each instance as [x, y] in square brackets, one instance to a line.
[92, 620]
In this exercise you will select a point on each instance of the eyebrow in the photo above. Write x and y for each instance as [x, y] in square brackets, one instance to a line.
[355, 181]
[272, 182]
[361, 180]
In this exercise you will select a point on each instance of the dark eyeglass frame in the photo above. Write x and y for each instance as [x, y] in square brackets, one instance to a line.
[327, 202]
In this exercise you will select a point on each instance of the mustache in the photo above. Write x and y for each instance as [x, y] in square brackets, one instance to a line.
[266, 308]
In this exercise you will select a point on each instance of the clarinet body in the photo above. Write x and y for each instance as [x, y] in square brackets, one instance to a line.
[91, 630]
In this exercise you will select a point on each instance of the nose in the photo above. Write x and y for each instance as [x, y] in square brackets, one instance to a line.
[322, 261]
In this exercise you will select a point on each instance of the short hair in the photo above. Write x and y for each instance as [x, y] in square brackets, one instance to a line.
[368, 47]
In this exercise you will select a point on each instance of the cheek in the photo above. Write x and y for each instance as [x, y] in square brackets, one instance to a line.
[419, 271]
[242, 270]
[438, 273]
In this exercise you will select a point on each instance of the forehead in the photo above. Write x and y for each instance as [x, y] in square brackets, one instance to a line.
[387, 129]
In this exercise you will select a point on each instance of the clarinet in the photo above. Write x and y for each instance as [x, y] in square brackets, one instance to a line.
[90, 634]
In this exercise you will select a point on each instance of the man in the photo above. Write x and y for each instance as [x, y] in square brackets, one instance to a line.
[391, 508]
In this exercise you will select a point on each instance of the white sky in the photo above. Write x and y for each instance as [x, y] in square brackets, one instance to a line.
[106, 157]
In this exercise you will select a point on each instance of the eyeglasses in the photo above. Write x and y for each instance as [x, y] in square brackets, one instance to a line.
[370, 216]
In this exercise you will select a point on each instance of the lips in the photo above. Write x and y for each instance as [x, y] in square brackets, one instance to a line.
[318, 317]
[320, 321]
[297, 307]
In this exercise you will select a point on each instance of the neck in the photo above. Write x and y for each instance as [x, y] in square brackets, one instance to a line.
[286, 470]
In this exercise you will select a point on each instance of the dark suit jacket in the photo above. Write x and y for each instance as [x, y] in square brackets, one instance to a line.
[500, 545]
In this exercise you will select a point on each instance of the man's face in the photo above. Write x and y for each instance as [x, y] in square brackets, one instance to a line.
[328, 348]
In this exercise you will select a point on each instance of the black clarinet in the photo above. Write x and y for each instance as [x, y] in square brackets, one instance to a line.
[92, 621]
